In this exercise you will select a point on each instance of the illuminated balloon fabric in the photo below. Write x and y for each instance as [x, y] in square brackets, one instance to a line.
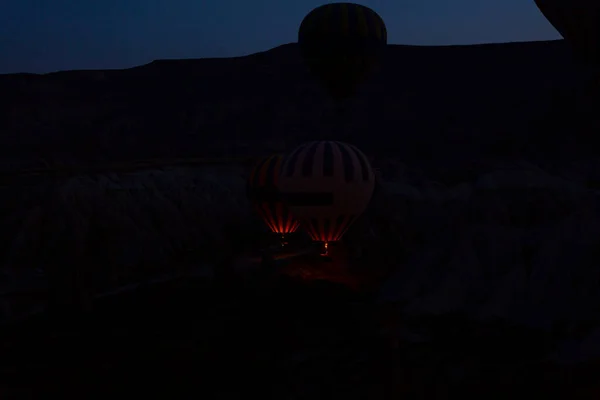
[264, 195]
[578, 22]
[341, 44]
[326, 185]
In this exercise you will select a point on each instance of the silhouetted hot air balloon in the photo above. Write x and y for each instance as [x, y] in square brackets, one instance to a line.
[578, 21]
[342, 43]
[263, 193]
[326, 185]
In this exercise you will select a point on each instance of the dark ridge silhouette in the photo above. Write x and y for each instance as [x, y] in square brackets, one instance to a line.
[443, 107]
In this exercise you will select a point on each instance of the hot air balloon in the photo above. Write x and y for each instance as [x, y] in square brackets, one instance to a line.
[341, 44]
[326, 185]
[578, 21]
[263, 193]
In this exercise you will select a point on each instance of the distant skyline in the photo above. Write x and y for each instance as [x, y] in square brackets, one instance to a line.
[43, 36]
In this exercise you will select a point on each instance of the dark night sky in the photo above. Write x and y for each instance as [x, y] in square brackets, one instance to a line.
[49, 35]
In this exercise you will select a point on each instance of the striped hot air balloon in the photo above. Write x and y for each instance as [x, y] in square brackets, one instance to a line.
[326, 185]
[578, 21]
[263, 193]
[341, 44]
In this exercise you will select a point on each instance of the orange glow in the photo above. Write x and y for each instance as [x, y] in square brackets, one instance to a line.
[325, 249]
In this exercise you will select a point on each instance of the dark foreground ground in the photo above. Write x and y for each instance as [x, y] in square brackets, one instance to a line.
[276, 338]
[188, 339]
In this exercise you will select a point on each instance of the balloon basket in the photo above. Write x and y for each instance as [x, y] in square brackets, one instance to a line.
[324, 250]
[283, 247]
[282, 240]
[330, 251]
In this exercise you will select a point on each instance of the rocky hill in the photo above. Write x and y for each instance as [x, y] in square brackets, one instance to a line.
[487, 209]
[434, 107]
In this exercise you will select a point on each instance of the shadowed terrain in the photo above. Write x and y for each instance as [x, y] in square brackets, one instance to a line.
[485, 221]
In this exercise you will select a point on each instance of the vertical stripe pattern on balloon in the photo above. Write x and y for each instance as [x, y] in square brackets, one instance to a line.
[327, 185]
[263, 192]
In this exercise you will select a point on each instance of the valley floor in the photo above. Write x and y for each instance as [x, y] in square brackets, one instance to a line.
[278, 338]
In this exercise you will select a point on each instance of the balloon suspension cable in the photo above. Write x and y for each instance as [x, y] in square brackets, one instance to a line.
[340, 113]
[339, 109]
[334, 115]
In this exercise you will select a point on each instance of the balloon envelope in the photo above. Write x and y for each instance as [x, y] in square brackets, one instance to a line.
[327, 185]
[578, 22]
[263, 193]
[341, 44]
